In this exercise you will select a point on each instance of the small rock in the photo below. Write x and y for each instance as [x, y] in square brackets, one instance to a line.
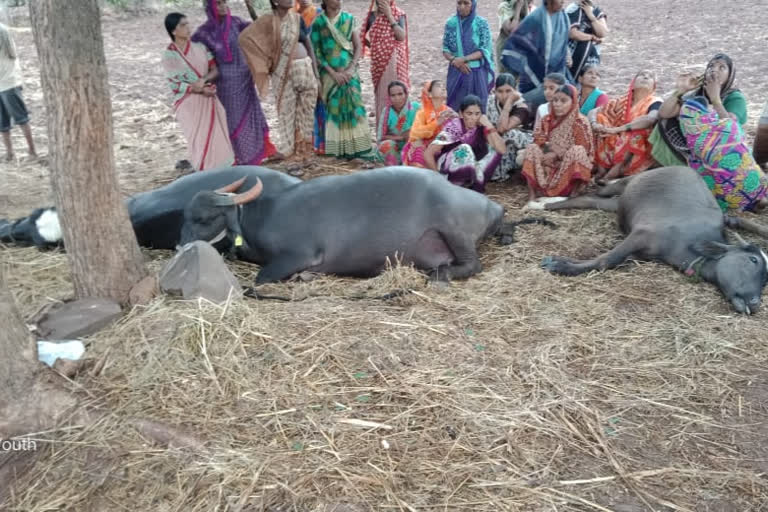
[199, 271]
[76, 319]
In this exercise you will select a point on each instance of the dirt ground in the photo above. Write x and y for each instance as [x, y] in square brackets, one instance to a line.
[625, 391]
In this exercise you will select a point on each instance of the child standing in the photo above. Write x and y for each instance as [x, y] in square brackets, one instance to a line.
[12, 107]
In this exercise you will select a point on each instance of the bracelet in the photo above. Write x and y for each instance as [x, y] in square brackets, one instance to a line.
[488, 131]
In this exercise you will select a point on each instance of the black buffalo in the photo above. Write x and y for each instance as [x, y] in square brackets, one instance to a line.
[346, 225]
[669, 214]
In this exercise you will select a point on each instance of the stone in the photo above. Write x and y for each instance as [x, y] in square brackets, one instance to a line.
[198, 271]
[73, 320]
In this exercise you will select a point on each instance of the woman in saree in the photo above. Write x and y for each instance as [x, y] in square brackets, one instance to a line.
[719, 153]
[538, 47]
[509, 113]
[468, 149]
[277, 45]
[395, 123]
[670, 146]
[589, 26]
[559, 162]
[590, 96]
[511, 13]
[434, 113]
[622, 128]
[386, 35]
[468, 48]
[258, 8]
[308, 11]
[247, 124]
[342, 128]
[191, 71]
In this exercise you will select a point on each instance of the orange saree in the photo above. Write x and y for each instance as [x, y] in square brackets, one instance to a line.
[632, 146]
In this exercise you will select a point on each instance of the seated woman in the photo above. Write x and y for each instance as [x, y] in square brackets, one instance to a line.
[622, 128]
[395, 123]
[191, 71]
[509, 113]
[669, 145]
[590, 97]
[719, 153]
[461, 151]
[552, 82]
[559, 162]
[428, 123]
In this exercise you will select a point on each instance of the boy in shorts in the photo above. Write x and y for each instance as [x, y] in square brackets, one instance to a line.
[12, 107]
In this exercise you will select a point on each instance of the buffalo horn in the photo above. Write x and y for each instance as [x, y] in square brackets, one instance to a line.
[739, 239]
[224, 199]
[249, 195]
[232, 187]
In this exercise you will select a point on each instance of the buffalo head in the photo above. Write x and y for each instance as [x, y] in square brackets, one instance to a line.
[740, 271]
[213, 216]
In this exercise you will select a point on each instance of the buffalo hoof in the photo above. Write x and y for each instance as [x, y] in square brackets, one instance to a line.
[557, 265]
[440, 275]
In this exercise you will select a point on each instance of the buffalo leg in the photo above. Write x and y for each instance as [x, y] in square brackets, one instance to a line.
[611, 259]
[609, 204]
[282, 267]
[466, 262]
[614, 188]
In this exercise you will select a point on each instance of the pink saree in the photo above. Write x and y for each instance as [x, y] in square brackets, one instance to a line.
[202, 118]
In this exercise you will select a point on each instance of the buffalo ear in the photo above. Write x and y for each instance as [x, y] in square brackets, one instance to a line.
[710, 249]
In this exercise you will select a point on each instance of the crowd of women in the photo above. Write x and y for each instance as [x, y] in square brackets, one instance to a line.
[528, 103]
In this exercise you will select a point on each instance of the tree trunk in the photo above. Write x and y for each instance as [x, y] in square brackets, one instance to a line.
[101, 246]
[29, 401]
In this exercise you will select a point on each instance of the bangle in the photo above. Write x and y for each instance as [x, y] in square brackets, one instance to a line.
[488, 131]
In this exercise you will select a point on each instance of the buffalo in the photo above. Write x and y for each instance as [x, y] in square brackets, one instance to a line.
[669, 214]
[345, 225]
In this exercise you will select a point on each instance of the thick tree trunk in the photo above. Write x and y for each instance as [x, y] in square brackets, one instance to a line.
[100, 242]
[28, 401]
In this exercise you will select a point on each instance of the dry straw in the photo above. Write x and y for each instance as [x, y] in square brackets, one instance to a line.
[634, 389]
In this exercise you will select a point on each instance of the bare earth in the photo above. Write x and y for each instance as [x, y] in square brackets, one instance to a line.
[630, 390]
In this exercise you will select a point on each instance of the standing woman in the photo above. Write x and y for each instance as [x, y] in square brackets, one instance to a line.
[342, 130]
[308, 11]
[559, 162]
[468, 149]
[589, 26]
[511, 13]
[386, 35]
[277, 45]
[537, 48]
[247, 123]
[191, 71]
[468, 48]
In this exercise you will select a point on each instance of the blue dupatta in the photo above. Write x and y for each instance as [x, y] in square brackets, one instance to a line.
[539, 46]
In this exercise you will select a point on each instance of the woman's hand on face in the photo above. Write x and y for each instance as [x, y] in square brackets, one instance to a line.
[687, 82]
[712, 85]
[484, 121]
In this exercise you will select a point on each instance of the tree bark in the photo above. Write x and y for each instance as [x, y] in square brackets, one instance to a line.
[29, 400]
[101, 245]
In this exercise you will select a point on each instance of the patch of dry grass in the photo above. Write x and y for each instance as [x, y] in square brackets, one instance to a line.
[515, 390]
